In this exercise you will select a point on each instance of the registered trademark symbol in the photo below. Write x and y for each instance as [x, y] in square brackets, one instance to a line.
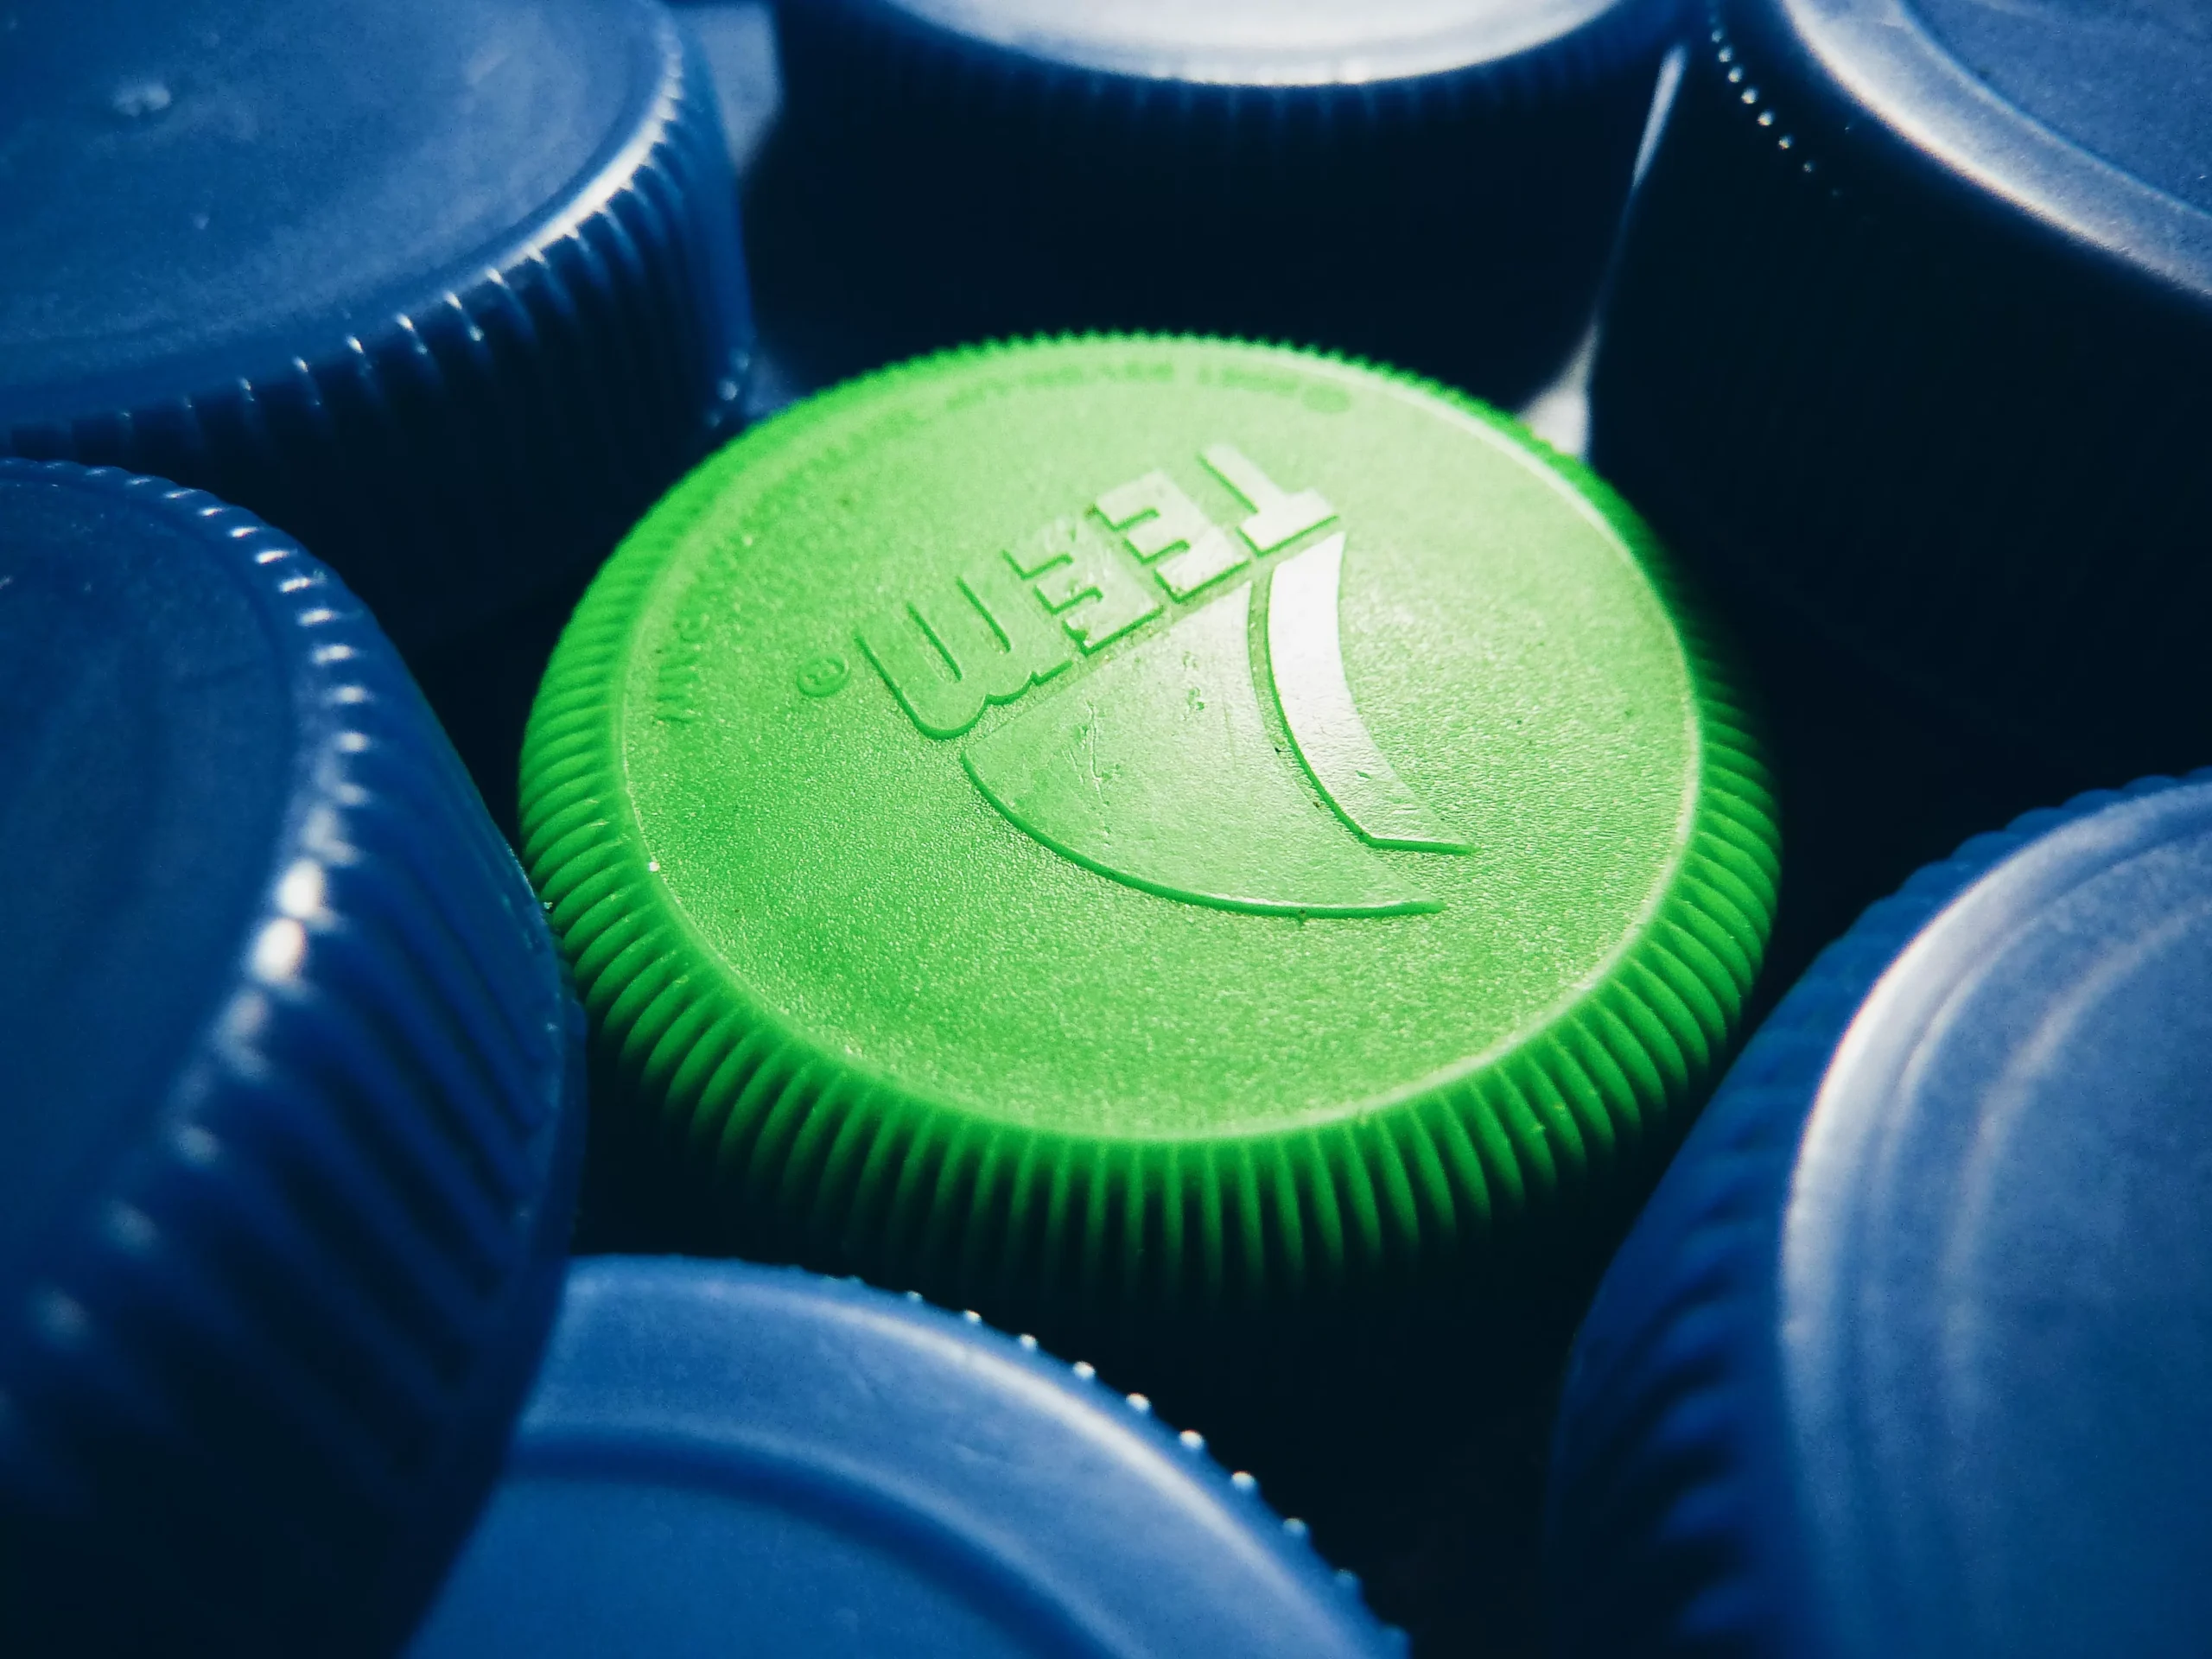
[824, 676]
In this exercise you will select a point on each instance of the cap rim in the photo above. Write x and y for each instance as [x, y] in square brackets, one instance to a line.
[309, 421]
[263, 348]
[1933, 116]
[285, 1203]
[1271, 1209]
[736, 1378]
[1664, 1460]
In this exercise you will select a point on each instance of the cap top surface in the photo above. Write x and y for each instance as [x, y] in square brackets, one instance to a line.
[1993, 1258]
[1225, 841]
[846, 1471]
[2127, 84]
[1302, 42]
[184, 177]
[145, 718]
[2043, 107]
[1906, 1353]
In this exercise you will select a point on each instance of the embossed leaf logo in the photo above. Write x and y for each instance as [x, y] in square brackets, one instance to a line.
[1158, 768]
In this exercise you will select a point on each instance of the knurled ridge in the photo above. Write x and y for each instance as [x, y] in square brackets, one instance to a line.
[498, 432]
[1658, 1510]
[260, 1381]
[1818, 371]
[1239, 1488]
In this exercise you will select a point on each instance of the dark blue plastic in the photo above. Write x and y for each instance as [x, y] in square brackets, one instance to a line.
[1910, 343]
[290, 1095]
[2130, 84]
[1434, 182]
[449, 289]
[720, 1457]
[1909, 1353]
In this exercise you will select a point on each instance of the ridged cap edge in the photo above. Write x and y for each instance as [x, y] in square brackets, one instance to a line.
[256, 1391]
[817, 1165]
[568, 1411]
[520, 413]
[1665, 1472]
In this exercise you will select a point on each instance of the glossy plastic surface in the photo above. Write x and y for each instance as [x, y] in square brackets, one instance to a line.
[1132, 824]
[719, 1451]
[294, 1100]
[2121, 82]
[449, 290]
[1907, 1354]
[1910, 342]
[1274, 43]
[2056, 109]
[1432, 182]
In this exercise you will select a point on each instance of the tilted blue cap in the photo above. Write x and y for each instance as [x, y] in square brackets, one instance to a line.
[1910, 336]
[1432, 182]
[450, 290]
[292, 1099]
[721, 1454]
[1910, 1352]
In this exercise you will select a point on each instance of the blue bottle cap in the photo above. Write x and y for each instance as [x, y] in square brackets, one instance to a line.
[717, 1448]
[1910, 337]
[1432, 182]
[292, 1098]
[1909, 1354]
[449, 289]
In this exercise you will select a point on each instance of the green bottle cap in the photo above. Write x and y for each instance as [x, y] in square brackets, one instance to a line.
[1168, 821]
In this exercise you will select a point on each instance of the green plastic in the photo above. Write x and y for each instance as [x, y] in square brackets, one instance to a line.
[1166, 819]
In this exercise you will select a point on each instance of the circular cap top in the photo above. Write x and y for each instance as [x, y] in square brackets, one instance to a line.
[835, 1470]
[1211, 763]
[1958, 1196]
[287, 1137]
[2088, 118]
[1256, 43]
[2126, 86]
[178, 175]
[449, 291]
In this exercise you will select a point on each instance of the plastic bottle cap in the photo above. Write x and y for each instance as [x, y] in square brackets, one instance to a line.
[1915, 307]
[449, 289]
[1434, 182]
[1170, 814]
[717, 1448]
[1908, 1355]
[293, 1095]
